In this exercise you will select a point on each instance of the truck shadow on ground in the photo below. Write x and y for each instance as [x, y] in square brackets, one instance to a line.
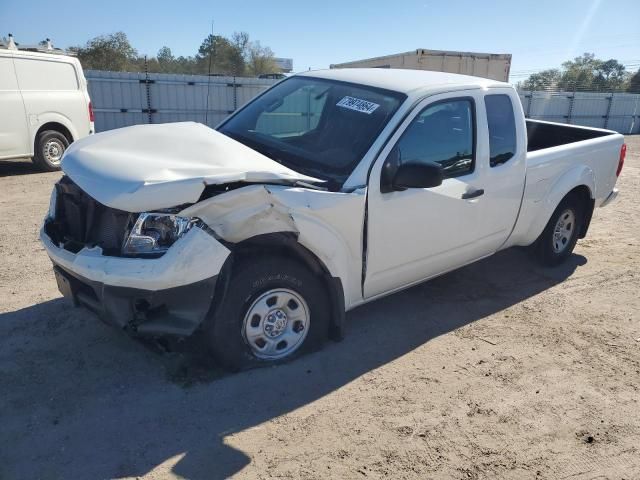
[9, 168]
[84, 401]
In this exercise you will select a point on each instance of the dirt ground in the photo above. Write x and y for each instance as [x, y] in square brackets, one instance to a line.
[500, 370]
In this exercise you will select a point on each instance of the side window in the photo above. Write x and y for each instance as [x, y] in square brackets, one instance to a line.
[502, 129]
[298, 113]
[45, 75]
[442, 133]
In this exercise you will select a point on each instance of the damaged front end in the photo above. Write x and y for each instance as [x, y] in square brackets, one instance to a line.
[137, 271]
[144, 227]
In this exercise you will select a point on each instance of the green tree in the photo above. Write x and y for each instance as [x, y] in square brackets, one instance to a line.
[165, 56]
[545, 80]
[585, 72]
[107, 52]
[229, 56]
[225, 57]
[579, 73]
[260, 59]
[166, 61]
[611, 73]
[241, 41]
[187, 65]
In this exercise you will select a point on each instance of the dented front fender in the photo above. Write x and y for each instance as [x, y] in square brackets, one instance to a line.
[329, 224]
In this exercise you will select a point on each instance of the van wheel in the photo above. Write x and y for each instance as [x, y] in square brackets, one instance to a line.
[274, 310]
[49, 148]
[559, 237]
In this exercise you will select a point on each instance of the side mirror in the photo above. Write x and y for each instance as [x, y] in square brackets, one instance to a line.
[397, 176]
[418, 175]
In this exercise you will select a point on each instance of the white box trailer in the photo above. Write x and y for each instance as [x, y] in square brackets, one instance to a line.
[487, 65]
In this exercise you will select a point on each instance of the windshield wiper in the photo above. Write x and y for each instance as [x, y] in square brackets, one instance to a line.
[300, 183]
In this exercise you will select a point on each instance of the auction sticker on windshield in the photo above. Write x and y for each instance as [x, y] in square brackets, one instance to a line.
[358, 105]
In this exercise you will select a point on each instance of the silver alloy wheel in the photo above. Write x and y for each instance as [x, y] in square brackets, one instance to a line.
[53, 150]
[563, 231]
[276, 324]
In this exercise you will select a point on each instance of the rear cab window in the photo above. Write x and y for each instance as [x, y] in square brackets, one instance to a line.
[502, 128]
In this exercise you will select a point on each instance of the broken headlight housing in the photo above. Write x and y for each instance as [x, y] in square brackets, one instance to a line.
[153, 233]
[53, 202]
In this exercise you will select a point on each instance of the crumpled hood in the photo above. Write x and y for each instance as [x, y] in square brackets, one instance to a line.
[149, 167]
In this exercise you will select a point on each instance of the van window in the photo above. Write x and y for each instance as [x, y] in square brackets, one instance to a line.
[502, 129]
[442, 133]
[45, 75]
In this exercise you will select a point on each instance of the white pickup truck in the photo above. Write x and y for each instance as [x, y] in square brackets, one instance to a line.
[327, 191]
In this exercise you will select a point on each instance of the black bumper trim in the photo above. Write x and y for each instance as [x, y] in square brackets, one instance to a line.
[175, 311]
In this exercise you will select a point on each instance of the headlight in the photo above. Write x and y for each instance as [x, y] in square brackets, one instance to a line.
[52, 203]
[154, 233]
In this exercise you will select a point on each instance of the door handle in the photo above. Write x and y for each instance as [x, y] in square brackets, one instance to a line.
[473, 194]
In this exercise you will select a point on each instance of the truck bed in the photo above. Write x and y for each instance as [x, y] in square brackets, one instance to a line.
[558, 158]
[542, 135]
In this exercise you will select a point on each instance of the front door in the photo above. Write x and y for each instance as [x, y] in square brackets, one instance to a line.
[421, 232]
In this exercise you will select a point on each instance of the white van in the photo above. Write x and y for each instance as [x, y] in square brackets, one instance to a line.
[44, 105]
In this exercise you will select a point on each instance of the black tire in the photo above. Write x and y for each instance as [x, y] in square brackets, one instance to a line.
[49, 147]
[249, 282]
[552, 251]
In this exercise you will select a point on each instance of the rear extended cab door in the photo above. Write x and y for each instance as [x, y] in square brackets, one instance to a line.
[504, 175]
[420, 233]
[14, 132]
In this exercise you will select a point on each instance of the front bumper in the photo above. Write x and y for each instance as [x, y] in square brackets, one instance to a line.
[172, 311]
[166, 295]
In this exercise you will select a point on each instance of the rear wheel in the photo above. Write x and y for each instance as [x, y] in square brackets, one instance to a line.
[274, 310]
[559, 238]
[50, 145]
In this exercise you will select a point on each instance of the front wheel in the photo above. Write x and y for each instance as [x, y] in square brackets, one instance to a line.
[49, 148]
[274, 310]
[560, 236]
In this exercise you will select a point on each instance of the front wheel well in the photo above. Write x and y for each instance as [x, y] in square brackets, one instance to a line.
[286, 244]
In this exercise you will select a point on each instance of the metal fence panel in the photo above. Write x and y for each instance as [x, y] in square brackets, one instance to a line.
[615, 111]
[591, 105]
[121, 99]
[626, 125]
[550, 106]
[118, 99]
[622, 105]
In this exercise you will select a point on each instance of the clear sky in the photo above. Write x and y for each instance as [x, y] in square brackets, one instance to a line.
[539, 34]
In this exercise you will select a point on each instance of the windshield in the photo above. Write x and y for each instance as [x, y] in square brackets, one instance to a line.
[318, 127]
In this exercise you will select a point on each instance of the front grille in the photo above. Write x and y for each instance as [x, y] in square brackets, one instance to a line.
[81, 221]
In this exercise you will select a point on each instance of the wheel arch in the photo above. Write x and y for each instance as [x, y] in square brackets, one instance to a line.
[579, 180]
[586, 198]
[56, 126]
[286, 243]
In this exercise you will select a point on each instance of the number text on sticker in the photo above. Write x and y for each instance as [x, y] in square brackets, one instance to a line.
[358, 105]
